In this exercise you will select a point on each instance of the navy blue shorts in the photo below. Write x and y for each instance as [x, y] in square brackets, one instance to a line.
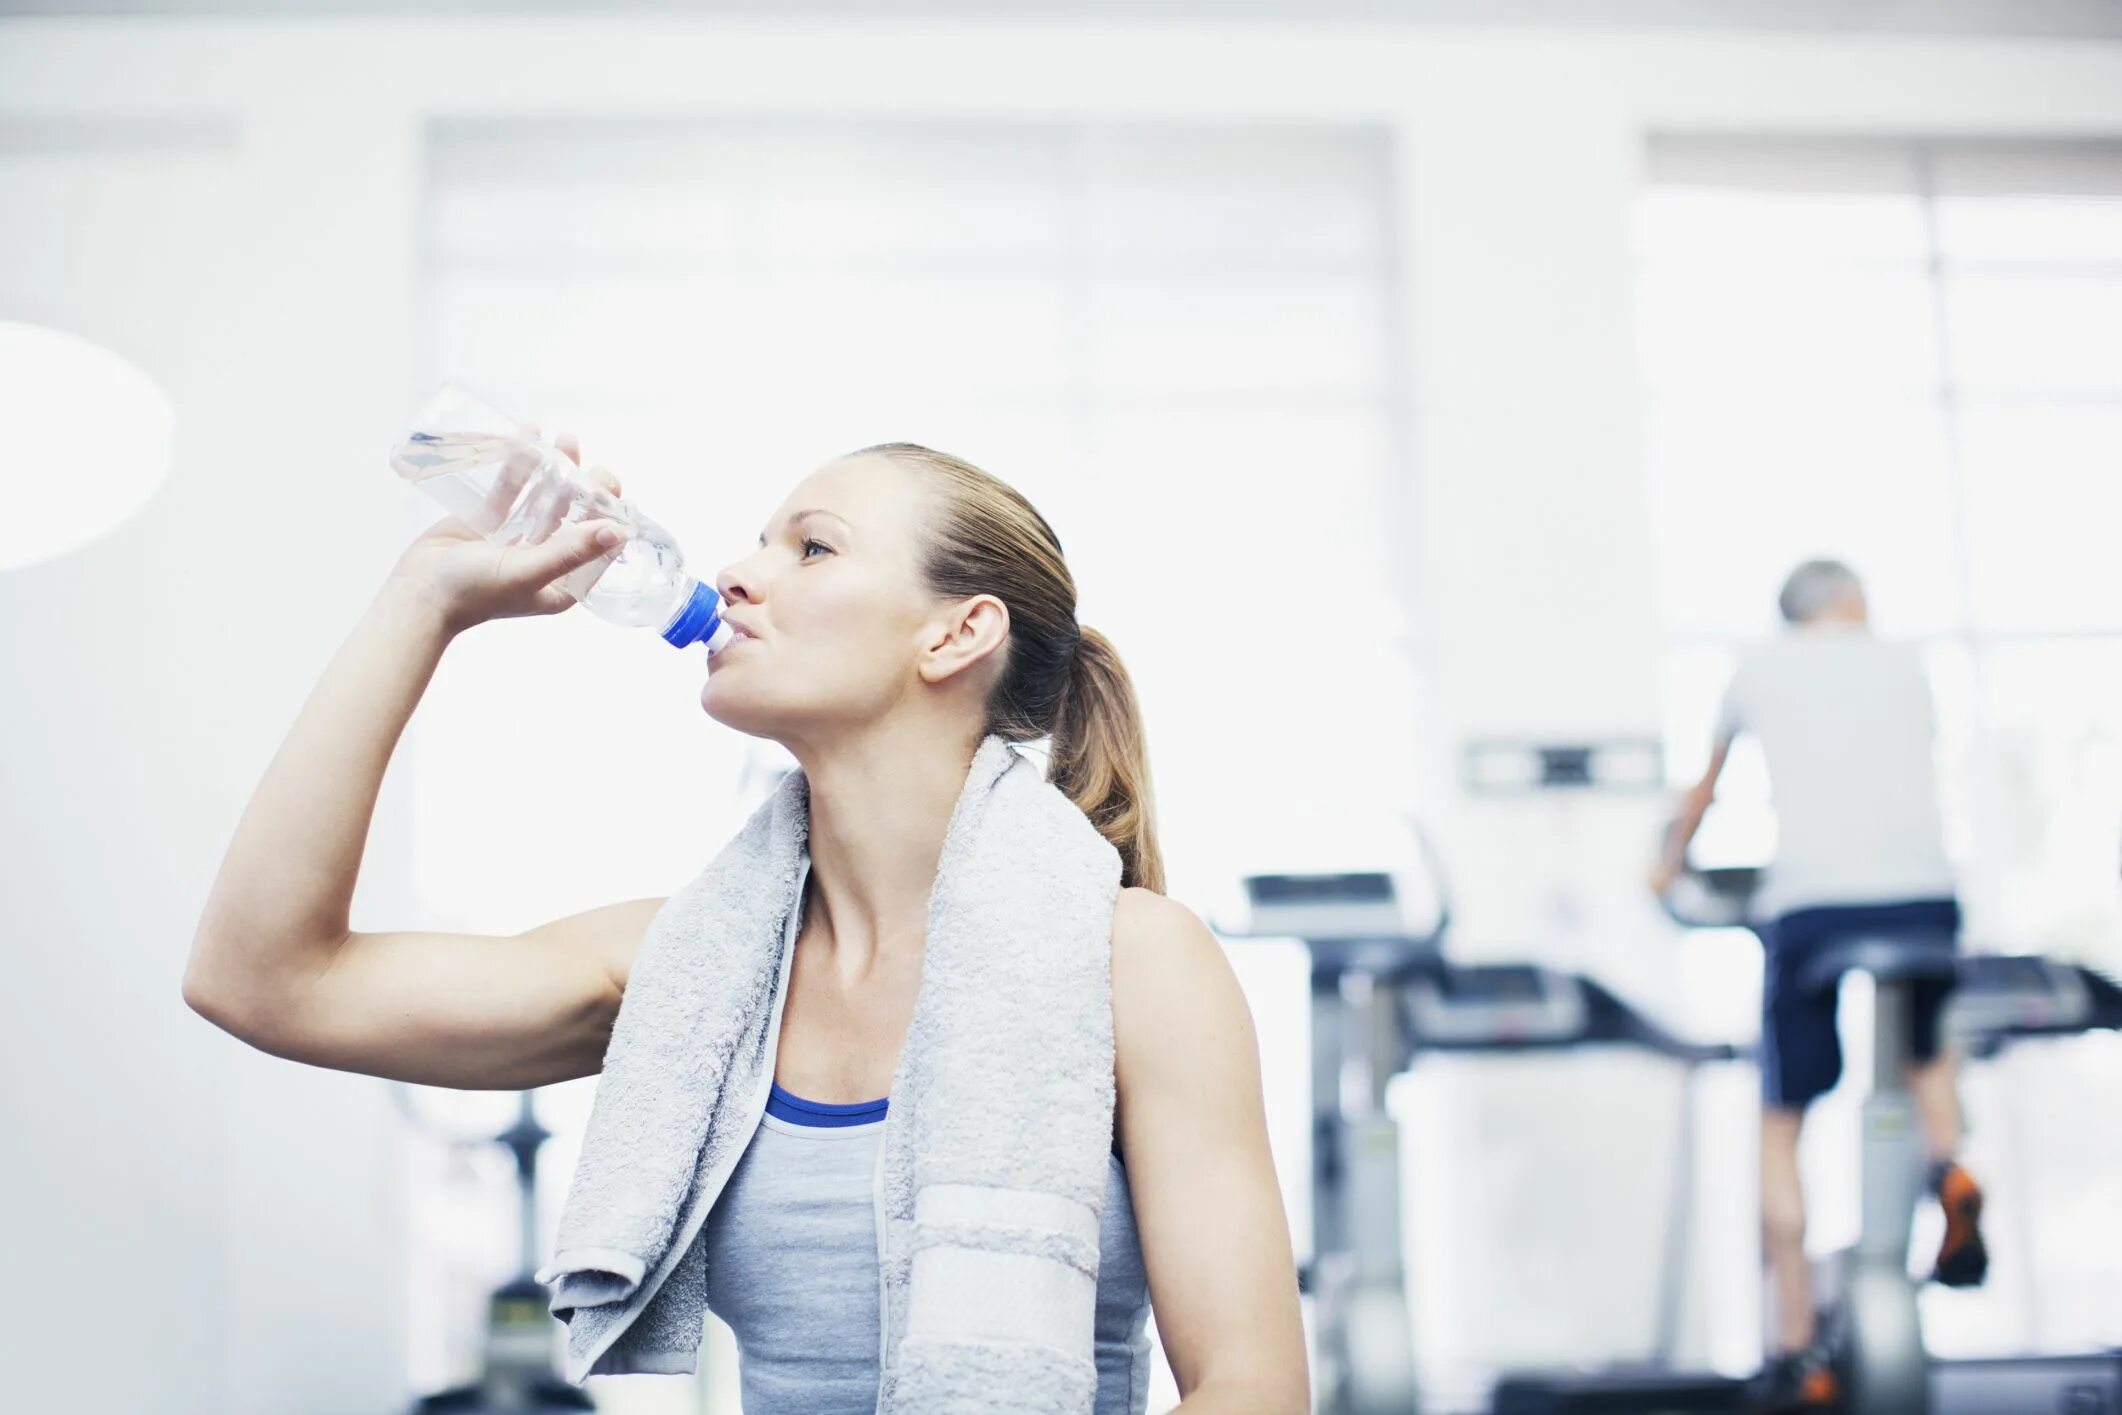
[1801, 1053]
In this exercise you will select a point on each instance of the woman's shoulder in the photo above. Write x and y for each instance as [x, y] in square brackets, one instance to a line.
[1185, 1054]
[1154, 933]
[1170, 975]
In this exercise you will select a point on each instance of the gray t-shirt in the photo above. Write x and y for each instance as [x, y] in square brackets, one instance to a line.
[1846, 723]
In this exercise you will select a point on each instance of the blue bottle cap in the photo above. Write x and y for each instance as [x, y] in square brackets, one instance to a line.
[697, 620]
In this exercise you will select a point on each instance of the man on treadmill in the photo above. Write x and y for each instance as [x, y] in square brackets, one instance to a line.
[1846, 723]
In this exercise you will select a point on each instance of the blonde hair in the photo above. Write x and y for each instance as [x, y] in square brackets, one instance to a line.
[1059, 679]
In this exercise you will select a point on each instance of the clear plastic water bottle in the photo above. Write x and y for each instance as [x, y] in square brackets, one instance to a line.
[486, 469]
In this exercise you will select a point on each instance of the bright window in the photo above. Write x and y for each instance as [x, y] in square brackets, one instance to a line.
[1907, 355]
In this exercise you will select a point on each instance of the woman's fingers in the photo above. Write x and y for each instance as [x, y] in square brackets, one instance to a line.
[540, 519]
[544, 519]
[569, 549]
[568, 503]
[546, 514]
[508, 484]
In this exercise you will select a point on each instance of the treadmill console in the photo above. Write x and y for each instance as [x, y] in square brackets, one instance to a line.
[1496, 1006]
[1342, 906]
[1349, 921]
[2003, 995]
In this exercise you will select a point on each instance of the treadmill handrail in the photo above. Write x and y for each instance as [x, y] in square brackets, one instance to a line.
[1604, 1021]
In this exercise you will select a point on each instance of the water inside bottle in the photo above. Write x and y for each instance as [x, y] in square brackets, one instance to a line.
[511, 490]
[508, 489]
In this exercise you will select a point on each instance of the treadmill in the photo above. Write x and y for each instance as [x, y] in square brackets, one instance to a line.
[1360, 951]
[1382, 997]
[2003, 1001]
[1521, 1007]
[1999, 1001]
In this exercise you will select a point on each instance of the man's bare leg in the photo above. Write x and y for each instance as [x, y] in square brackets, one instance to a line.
[1933, 1086]
[1783, 1227]
[1963, 1260]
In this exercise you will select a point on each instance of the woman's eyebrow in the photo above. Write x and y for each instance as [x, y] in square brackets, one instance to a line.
[798, 516]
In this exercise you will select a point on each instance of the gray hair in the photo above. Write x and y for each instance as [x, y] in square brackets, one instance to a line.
[1816, 587]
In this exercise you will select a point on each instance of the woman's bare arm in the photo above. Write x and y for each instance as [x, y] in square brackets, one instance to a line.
[273, 959]
[468, 1011]
[1193, 1131]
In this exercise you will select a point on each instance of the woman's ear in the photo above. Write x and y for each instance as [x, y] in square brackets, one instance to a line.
[963, 635]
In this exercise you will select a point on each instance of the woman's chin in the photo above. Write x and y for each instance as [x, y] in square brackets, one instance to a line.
[726, 706]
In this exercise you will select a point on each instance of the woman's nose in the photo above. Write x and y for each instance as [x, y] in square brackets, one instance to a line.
[733, 584]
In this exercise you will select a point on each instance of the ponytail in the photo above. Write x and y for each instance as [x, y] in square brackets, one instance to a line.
[1100, 758]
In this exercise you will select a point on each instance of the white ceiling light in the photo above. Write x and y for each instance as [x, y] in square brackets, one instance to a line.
[87, 442]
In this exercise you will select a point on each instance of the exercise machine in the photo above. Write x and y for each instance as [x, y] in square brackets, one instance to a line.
[1383, 997]
[517, 1374]
[1361, 953]
[1998, 1001]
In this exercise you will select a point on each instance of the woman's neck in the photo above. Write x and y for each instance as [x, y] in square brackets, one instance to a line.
[879, 809]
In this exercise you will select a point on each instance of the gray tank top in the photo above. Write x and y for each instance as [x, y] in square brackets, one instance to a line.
[792, 1268]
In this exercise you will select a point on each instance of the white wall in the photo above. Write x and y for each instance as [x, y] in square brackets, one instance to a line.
[200, 1228]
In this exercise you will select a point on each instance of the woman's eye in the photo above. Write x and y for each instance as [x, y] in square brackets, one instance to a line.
[811, 545]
